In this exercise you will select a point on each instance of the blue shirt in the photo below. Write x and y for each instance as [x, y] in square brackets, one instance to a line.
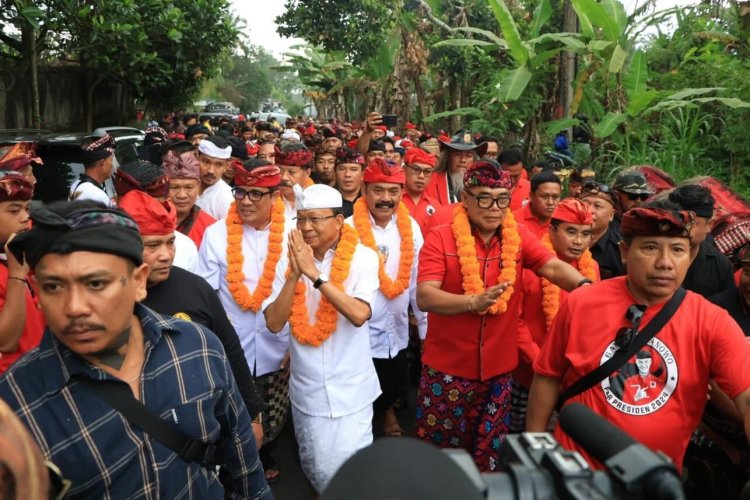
[185, 379]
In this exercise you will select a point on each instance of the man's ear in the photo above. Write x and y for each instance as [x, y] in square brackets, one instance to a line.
[140, 278]
[624, 249]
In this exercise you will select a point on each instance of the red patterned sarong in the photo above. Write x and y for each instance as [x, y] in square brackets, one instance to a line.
[455, 412]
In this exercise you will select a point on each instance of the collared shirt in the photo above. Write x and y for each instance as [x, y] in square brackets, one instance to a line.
[438, 188]
[421, 211]
[527, 218]
[185, 253]
[389, 324]
[86, 188]
[185, 380]
[264, 351]
[216, 199]
[469, 345]
[338, 377]
[710, 273]
[606, 252]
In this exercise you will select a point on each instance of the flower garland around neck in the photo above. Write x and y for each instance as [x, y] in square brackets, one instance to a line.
[235, 260]
[551, 292]
[326, 315]
[390, 288]
[309, 182]
[467, 255]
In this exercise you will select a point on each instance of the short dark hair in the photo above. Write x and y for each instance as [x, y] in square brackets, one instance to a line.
[510, 156]
[544, 177]
[488, 138]
[143, 171]
[693, 197]
[177, 146]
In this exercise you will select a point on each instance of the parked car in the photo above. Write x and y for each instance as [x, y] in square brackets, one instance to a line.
[120, 132]
[61, 153]
[223, 107]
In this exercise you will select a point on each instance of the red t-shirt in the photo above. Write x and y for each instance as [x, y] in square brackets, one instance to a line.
[520, 193]
[32, 330]
[201, 222]
[422, 211]
[524, 216]
[700, 342]
[469, 345]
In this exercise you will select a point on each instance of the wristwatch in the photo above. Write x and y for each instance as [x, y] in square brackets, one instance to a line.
[322, 278]
[584, 281]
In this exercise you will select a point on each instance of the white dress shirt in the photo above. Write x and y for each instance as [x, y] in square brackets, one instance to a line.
[264, 351]
[80, 191]
[216, 200]
[337, 378]
[185, 253]
[389, 325]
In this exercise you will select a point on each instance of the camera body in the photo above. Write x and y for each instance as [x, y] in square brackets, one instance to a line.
[535, 466]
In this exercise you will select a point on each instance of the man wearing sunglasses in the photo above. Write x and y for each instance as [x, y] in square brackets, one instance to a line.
[697, 343]
[631, 190]
[236, 256]
[605, 236]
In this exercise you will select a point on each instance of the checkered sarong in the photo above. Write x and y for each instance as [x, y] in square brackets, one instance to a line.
[273, 389]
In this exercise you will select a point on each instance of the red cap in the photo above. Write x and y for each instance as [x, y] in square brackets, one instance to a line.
[573, 211]
[152, 217]
[380, 171]
[265, 176]
[419, 155]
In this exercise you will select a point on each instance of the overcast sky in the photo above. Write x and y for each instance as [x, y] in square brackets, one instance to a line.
[262, 27]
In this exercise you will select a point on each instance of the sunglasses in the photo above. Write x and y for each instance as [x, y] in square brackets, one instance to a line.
[625, 335]
[637, 196]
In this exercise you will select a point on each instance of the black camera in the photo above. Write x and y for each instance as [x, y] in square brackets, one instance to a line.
[533, 465]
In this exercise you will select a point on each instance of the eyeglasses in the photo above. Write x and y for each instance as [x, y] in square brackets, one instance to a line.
[315, 221]
[59, 486]
[422, 171]
[625, 335]
[502, 201]
[253, 194]
[637, 196]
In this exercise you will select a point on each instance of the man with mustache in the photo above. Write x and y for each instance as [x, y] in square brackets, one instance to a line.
[238, 257]
[214, 156]
[569, 236]
[457, 155]
[21, 323]
[420, 166]
[383, 224]
[699, 342]
[295, 163]
[88, 265]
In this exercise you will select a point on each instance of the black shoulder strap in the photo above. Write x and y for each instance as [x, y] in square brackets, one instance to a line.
[621, 356]
[119, 396]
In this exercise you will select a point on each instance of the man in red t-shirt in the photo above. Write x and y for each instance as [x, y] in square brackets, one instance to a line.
[419, 168]
[512, 161]
[21, 321]
[700, 342]
[469, 272]
[568, 236]
[544, 196]
[184, 187]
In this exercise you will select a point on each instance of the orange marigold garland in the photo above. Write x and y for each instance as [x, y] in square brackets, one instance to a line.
[326, 315]
[235, 277]
[551, 292]
[309, 182]
[390, 288]
[467, 257]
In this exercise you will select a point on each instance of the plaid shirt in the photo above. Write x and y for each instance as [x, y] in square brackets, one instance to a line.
[186, 380]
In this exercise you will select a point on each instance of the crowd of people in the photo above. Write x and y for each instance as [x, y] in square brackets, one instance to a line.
[155, 343]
